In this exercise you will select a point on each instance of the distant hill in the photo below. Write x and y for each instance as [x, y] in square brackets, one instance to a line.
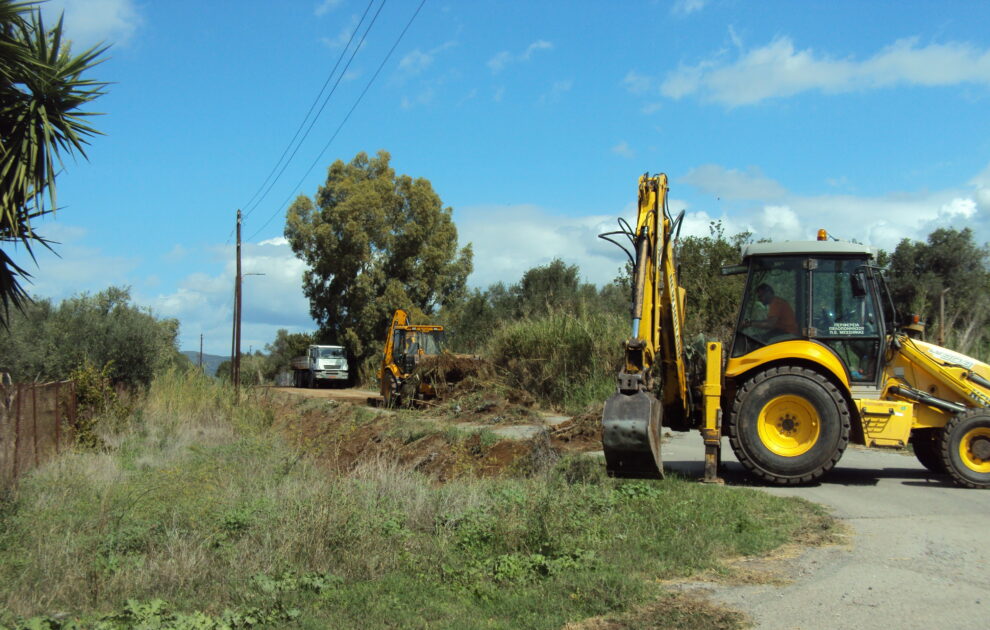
[210, 361]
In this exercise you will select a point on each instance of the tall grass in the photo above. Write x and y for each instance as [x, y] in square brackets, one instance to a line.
[569, 360]
[200, 505]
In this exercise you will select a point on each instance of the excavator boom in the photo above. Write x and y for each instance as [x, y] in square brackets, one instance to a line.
[633, 416]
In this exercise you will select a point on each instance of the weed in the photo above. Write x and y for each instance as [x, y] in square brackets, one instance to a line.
[200, 514]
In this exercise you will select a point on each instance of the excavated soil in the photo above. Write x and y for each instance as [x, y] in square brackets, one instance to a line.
[443, 438]
[342, 436]
[582, 433]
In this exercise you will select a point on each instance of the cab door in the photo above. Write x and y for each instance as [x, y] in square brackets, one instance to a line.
[844, 315]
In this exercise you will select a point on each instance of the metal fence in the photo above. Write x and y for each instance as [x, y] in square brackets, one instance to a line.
[36, 423]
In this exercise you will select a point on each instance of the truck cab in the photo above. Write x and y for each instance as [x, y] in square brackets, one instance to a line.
[321, 364]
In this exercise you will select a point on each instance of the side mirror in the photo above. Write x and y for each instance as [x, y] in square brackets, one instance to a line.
[733, 270]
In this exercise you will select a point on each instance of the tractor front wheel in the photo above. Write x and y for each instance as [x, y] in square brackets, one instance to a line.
[927, 445]
[965, 448]
[789, 425]
[390, 391]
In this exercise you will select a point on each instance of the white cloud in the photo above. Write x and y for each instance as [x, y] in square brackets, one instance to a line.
[686, 7]
[535, 46]
[425, 96]
[964, 208]
[623, 149]
[344, 36]
[499, 61]
[71, 266]
[326, 6]
[781, 222]
[177, 253]
[416, 61]
[508, 240]
[752, 202]
[558, 89]
[89, 22]
[636, 83]
[272, 298]
[779, 70]
[733, 184]
[502, 59]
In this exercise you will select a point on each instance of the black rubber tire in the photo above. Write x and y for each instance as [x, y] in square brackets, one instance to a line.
[955, 431]
[927, 445]
[390, 394]
[827, 402]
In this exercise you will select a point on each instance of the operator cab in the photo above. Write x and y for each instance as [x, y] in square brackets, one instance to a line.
[822, 291]
[410, 344]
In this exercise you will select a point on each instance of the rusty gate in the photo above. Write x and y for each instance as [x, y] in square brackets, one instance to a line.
[36, 423]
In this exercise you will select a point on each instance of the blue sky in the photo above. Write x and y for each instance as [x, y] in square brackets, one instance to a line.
[533, 121]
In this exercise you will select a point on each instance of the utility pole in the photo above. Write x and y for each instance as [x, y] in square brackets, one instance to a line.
[200, 352]
[235, 360]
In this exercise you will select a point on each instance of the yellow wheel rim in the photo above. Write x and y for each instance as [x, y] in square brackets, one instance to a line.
[974, 444]
[789, 426]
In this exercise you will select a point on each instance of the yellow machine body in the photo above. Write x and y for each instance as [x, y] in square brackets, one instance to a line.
[810, 370]
[405, 344]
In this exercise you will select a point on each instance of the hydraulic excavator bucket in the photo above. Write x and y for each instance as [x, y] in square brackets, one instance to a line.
[631, 426]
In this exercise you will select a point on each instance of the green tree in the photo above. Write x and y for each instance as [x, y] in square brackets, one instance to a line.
[373, 242]
[949, 261]
[542, 289]
[712, 299]
[42, 91]
[45, 342]
[283, 349]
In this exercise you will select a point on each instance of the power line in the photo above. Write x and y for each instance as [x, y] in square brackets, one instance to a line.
[312, 106]
[322, 107]
[344, 121]
[316, 100]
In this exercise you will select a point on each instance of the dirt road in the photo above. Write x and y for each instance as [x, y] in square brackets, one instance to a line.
[351, 394]
[917, 558]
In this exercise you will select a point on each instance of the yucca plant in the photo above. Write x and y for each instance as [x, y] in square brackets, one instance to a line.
[42, 91]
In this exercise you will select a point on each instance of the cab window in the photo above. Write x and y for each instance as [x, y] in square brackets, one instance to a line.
[844, 315]
[772, 310]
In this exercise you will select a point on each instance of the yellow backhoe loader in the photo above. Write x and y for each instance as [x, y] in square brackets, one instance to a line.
[818, 360]
[405, 346]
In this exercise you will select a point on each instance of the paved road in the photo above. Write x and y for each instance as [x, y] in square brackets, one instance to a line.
[919, 556]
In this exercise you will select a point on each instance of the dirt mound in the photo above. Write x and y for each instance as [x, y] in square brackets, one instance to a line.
[450, 369]
[581, 433]
[470, 389]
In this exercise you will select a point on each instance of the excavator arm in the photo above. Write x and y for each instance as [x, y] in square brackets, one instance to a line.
[633, 416]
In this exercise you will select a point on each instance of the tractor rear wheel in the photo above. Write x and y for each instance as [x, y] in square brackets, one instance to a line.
[789, 425]
[927, 445]
[965, 448]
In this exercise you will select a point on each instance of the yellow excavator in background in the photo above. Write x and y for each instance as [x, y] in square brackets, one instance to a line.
[818, 360]
[405, 345]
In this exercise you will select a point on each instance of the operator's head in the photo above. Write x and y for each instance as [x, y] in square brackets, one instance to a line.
[764, 293]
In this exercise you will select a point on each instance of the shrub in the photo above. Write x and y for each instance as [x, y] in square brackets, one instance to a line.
[565, 359]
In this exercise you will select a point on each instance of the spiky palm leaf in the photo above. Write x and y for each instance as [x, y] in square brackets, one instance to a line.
[42, 91]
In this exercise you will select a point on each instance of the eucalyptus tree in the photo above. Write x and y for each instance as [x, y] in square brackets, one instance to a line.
[374, 241]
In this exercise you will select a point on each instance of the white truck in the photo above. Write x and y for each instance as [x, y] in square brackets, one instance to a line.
[321, 364]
